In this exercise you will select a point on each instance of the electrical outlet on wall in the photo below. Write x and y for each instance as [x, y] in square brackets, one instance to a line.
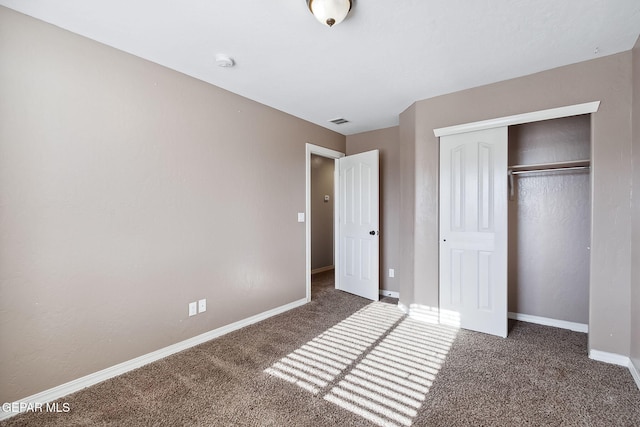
[202, 305]
[193, 309]
[392, 272]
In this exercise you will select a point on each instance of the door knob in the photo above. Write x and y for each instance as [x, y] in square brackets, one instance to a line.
[372, 232]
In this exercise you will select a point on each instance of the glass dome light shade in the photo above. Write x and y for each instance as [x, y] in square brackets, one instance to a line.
[329, 12]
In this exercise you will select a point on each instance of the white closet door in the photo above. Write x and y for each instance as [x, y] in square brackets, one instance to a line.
[473, 230]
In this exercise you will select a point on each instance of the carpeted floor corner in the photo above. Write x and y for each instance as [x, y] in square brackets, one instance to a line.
[343, 361]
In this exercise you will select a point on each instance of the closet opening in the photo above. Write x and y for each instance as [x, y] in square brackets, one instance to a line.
[549, 216]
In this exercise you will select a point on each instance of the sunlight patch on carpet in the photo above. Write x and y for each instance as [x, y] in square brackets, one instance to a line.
[322, 359]
[379, 363]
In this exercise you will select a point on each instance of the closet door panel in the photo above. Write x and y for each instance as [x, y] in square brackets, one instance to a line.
[473, 230]
[455, 294]
[483, 298]
[457, 188]
[485, 187]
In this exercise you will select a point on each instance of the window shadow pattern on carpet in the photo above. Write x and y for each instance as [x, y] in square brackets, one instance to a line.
[378, 363]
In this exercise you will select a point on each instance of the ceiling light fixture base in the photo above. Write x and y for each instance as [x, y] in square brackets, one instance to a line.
[329, 12]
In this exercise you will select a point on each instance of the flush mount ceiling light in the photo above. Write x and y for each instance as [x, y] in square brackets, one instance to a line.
[329, 12]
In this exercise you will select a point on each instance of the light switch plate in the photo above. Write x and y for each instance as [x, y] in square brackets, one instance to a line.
[202, 305]
[300, 216]
[193, 309]
[392, 272]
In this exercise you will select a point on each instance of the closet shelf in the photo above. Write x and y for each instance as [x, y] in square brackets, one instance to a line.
[549, 167]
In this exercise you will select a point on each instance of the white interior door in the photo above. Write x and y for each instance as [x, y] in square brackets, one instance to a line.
[473, 230]
[357, 268]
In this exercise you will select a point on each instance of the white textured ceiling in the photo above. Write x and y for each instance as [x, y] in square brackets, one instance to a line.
[368, 69]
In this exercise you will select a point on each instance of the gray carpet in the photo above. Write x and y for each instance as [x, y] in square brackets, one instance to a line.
[340, 360]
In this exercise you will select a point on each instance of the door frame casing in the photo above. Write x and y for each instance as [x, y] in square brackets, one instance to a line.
[530, 117]
[518, 119]
[331, 154]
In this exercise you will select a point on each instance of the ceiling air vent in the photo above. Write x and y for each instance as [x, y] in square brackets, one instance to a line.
[339, 121]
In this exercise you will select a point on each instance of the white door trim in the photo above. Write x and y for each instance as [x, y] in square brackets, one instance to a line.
[518, 119]
[332, 154]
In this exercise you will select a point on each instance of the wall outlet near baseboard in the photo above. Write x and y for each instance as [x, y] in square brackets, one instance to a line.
[193, 309]
[202, 305]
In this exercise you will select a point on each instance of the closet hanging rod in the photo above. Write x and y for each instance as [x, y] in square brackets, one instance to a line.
[547, 167]
[518, 172]
[551, 165]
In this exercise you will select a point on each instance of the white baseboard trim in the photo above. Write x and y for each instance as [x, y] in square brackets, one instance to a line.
[635, 372]
[612, 358]
[617, 359]
[392, 294]
[562, 324]
[121, 368]
[321, 269]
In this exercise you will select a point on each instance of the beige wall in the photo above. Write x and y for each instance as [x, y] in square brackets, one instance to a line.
[128, 190]
[550, 221]
[635, 273]
[407, 140]
[386, 140]
[605, 79]
[322, 213]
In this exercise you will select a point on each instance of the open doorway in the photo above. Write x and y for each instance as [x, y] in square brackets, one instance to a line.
[321, 217]
[321, 233]
[356, 234]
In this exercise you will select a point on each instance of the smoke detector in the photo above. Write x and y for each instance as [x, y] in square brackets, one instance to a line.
[224, 61]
